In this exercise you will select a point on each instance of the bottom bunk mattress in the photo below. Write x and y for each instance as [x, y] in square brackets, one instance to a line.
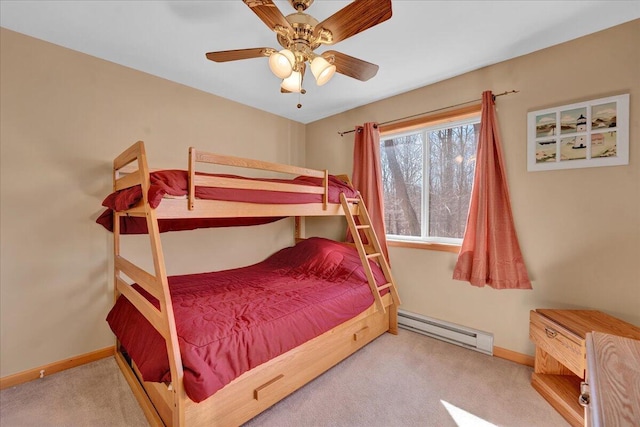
[231, 321]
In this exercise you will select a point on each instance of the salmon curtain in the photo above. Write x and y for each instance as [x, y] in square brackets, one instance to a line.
[367, 177]
[490, 253]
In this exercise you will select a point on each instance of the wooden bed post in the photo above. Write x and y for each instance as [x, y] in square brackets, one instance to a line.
[116, 243]
[166, 306]
[157, 283]
[299, 233]
[191, 194]
[173, 347]
[325, 182]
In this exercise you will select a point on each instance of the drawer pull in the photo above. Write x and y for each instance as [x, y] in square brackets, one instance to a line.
[550, 332]
[360, 334]
[261, 391]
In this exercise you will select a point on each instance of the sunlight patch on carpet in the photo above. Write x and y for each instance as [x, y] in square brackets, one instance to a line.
[465, 419]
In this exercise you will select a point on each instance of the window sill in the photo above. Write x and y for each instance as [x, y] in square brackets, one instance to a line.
[424, 245]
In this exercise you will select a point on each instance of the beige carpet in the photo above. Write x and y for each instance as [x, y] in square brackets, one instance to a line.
[404, 380]
[92, 395]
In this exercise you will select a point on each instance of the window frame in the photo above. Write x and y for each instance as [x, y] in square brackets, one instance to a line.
[440, 119]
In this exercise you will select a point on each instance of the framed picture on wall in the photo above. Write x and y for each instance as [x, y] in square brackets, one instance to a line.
[581, 135]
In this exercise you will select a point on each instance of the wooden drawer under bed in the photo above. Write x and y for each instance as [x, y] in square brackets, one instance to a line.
[260, 388]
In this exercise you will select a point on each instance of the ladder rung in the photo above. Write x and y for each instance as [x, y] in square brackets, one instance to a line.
[352, 199]
[362, 226]
[375, 255]
[383, 287]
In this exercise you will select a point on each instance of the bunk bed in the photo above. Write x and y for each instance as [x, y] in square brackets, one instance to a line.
[189, 346]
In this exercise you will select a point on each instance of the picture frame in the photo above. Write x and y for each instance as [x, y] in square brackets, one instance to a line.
[580, 135]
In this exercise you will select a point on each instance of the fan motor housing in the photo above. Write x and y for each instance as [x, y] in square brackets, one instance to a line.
[303, 26]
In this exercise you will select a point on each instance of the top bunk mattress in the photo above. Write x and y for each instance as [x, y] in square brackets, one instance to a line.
[229, 322]
[175, 184]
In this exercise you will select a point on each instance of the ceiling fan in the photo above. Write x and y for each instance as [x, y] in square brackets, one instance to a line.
[300, 34]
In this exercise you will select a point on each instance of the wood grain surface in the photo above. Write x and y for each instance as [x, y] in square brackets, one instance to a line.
[614, 380]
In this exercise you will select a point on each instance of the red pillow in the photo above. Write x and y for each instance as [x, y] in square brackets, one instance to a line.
[123, 199]
[172, 182]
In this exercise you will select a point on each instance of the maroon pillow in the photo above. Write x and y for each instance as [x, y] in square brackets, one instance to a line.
[172, 182]
[123, 199]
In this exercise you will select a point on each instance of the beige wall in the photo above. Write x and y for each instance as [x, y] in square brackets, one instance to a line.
[64, 117]
[579, 229]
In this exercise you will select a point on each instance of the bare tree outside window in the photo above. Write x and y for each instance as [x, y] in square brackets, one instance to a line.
[427, 178]
[402, 183]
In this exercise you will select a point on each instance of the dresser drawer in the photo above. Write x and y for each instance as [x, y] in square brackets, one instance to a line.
[562, 344]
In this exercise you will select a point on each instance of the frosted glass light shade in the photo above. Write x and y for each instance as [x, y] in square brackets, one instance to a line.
[293, 83]
[281, 63]
[322, 70]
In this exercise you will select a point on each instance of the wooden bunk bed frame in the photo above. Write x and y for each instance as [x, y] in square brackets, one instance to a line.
[261, 387]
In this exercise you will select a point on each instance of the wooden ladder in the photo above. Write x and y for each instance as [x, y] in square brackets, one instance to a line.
[370, 251]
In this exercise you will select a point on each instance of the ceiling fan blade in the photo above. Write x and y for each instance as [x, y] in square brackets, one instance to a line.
[269, 13]
[353, 19]
[350, 66]
[235, 55]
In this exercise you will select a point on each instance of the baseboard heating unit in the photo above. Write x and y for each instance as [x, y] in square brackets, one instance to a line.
[445, 331]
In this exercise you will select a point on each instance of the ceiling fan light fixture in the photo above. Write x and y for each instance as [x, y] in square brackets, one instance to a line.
[281, 63]
[293, 83]
[300, 34]
[322, 70]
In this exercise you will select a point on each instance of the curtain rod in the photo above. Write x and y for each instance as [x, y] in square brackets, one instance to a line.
[343, 133]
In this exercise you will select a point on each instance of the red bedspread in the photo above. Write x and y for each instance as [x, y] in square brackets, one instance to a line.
[231, 321]
[175, 183]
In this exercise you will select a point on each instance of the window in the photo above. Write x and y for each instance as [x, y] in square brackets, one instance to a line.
[427, 174]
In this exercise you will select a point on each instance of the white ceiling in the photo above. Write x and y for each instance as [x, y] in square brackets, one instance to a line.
[423, 42]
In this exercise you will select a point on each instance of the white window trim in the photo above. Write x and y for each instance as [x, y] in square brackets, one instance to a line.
[424, 129]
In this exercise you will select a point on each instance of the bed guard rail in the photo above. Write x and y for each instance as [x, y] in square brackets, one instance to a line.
[196, 156]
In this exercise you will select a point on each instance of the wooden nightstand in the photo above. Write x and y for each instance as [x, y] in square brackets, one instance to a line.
[560, 361]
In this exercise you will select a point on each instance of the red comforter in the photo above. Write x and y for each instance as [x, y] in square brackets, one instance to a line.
[231, 321]
[175, 183]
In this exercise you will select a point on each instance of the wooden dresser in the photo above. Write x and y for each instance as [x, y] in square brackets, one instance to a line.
[560, 360]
